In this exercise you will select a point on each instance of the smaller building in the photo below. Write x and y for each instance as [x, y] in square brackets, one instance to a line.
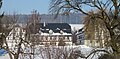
[80, 37]
[14, 36]
[77, 34]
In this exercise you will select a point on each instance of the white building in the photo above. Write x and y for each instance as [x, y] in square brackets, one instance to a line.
[51, 33]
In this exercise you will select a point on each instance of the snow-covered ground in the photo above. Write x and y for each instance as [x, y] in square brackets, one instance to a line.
[55, 51]
[6, 56]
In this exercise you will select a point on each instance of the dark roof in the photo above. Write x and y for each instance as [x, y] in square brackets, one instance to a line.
[81, 30]
[55, 27]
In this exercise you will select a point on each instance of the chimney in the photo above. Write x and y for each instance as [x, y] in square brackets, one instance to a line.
[44, 24]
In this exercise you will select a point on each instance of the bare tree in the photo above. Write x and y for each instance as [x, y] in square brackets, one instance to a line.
[34, 19]
[108, 15]
[12, 36]
[1, 16]
[32, 29]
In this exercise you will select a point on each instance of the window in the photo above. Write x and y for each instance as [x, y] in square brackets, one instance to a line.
[70, 38]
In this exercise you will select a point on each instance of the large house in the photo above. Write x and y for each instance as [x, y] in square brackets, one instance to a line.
[51, 33]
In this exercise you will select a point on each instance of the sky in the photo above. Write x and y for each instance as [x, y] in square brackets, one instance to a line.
[25, 6]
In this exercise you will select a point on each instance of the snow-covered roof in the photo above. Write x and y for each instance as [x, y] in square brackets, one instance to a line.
[76, 27]
[55, 34]
[46, 27]
[45, 34]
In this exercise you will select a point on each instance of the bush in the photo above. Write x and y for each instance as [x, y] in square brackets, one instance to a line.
[61, 43]
[106, 56]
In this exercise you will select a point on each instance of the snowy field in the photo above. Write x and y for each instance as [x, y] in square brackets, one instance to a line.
[54, 51]
[6, 56]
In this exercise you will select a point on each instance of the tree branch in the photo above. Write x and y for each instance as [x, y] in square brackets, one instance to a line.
[79, 9]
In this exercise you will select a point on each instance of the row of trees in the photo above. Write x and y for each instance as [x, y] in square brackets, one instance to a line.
[103, 23]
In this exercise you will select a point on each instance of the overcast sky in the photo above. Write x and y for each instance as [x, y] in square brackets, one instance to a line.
[25, 6]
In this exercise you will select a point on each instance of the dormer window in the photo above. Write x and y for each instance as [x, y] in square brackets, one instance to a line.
[42, 29]
[57, 28]
[61, 32]
[64, 29]
[50, 31]
[47, 29]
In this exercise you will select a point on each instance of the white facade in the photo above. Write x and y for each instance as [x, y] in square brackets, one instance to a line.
[54, 38]
[14, 36]
[43, 38]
